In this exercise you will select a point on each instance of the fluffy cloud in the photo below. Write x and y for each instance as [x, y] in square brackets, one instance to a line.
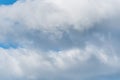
[59, 39]
[69, 64]
[50, 14]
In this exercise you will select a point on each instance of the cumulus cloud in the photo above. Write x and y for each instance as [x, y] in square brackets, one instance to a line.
[59, 39]
[50, 14]
[68, 64]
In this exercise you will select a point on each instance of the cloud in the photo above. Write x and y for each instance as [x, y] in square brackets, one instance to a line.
[50, 14]
[67, 64]
[59, 39]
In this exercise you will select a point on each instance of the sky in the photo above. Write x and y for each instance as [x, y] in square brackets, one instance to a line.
[7, 2]
[59, 40]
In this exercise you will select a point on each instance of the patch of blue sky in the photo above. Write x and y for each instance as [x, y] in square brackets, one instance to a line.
[8, 45]
[7, 2]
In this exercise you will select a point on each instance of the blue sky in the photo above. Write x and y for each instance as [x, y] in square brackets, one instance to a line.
[59, 40]
[7, 44]
[7, 2]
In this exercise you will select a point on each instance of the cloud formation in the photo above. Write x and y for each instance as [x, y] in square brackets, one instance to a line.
[68, 64]
[60, 39]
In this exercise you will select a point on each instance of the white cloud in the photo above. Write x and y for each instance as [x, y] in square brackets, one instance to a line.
[84, 63]
[59, 39]
[56, 14]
